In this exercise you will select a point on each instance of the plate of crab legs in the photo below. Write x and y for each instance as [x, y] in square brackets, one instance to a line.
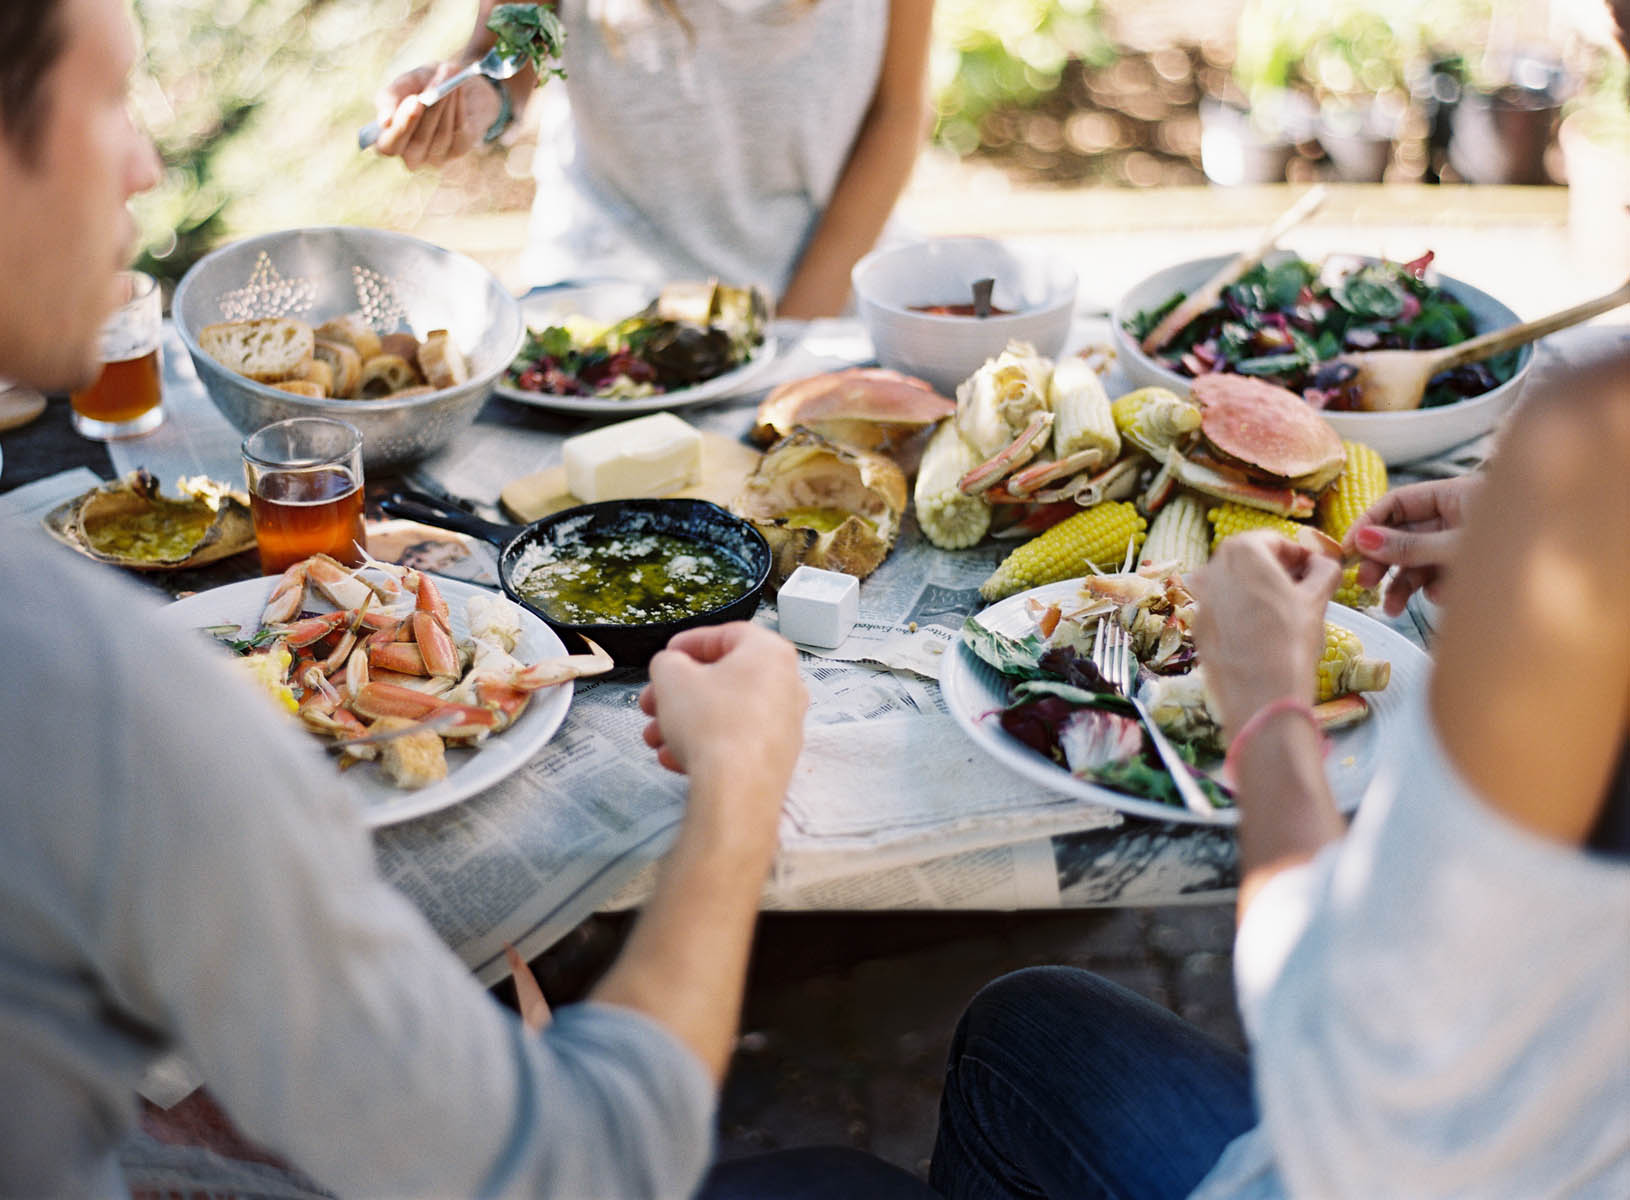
[379, 649]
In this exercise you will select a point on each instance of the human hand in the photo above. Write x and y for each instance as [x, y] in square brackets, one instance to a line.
[1415, 528]
[433, 135]
[726, 704]
[1259, 621]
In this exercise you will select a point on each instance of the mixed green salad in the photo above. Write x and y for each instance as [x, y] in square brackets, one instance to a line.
[689, 334]
[1062, 707]
[529, 31]
[1285, 319]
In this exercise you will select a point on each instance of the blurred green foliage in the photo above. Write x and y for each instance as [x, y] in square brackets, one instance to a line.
[990, 54]
[255, 105]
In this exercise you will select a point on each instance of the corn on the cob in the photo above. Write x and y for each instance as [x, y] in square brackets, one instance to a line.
[950, 518]
[1081, 411]
[1230, 518]
[998, 399]
[1098, 535]
[1178, 534]
[1153, 418]
[1343, 667]
[1363, 481]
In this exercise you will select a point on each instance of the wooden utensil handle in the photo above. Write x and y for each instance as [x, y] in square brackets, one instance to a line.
[1206, 294]
[1498, 341]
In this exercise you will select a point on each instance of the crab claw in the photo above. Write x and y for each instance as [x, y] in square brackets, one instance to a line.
[1012, 456]
[1022, 483]
[388, 700]
[429, 598]
[284, 602]
[551, 671]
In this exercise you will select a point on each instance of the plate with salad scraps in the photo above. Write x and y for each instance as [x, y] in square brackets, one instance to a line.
[470, 770]
[977, 693]
[1285, 319]
[603, 347]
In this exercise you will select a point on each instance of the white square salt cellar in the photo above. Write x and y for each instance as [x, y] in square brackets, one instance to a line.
[818, 608]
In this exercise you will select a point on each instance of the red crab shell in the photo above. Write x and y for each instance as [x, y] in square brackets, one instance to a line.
[865, 408]
[1267, 431]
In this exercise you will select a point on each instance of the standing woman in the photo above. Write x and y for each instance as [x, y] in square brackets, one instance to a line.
[758, 141]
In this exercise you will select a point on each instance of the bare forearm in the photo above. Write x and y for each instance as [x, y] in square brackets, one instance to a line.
[871, 183]
[686, 961]
[1286, 812]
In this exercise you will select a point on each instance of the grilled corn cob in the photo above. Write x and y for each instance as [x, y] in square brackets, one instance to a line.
[950, 518]
[1363, 481]
[1343, 667]
[1081, 411]
[1178, 534]
[1098, 536]
[1230, 518]
[1153, 418]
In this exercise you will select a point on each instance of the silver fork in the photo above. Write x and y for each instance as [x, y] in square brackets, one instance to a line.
[491, 64]
[1112, 655]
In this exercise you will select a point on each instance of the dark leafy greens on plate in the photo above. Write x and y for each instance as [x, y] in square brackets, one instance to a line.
[1286, 318]
[1061, 707]
[689, 334]
[529, 31]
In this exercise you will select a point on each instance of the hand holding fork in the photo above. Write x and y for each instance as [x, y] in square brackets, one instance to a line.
[1112, 655]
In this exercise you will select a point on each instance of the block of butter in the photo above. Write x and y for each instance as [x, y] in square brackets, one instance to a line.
[648, 456]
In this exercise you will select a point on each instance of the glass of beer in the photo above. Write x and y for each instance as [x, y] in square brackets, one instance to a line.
[305, 491]
[125, 399]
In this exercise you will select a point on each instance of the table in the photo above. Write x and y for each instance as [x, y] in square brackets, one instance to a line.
[521, 863]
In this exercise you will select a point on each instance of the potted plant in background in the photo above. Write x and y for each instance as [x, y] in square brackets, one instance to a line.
[1252, 140]
[1504, 111]
[1595, 139]
[1338, 67]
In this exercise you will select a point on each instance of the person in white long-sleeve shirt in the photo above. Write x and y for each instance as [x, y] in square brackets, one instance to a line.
[1438, 999]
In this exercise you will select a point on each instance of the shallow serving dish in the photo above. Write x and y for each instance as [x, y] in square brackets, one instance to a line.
[397, 282]
[629, 645]
[1037, 291]
[1399, 437]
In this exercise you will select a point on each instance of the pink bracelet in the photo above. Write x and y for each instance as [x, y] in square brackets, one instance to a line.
[1254, 724]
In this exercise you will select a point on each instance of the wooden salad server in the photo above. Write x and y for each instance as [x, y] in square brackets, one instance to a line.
[1206, 295]
[1395, 380]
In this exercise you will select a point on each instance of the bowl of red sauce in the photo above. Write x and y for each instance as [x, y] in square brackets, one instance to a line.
[917, 303]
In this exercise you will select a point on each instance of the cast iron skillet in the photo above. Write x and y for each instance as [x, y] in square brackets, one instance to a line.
[628, 645]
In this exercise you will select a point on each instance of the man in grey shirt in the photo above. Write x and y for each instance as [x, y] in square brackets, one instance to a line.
[177, 871]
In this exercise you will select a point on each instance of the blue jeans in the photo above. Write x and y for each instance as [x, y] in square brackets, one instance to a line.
[1062, 1084]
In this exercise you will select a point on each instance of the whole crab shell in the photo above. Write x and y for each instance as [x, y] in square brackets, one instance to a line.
[1268, 430]
[84, 523]
[865, 408]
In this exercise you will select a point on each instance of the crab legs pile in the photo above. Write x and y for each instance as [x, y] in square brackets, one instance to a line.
[363, 670]
[1036, 440]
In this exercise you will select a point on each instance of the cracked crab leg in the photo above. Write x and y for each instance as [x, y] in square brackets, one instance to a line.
[1012, 456]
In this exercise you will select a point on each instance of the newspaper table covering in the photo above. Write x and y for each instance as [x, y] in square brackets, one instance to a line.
[936, 825]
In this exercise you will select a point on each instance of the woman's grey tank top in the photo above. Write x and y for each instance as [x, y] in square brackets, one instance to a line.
[707, 151]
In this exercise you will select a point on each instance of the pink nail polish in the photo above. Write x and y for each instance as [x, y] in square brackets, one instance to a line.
[1370, 538]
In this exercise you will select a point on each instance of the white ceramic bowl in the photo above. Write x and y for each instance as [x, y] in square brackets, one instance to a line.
[1037, 291]
[1399, 437]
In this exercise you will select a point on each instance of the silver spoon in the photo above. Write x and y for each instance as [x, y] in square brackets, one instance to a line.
[492, 64]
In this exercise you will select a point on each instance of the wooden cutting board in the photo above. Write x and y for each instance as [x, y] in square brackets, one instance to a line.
[726, 464]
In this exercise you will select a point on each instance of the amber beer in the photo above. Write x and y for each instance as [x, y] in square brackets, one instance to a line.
[126, 398]
[122, 392]
[305, 491]
[301, 513]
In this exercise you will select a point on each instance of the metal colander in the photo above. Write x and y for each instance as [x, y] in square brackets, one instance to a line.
[397, 282]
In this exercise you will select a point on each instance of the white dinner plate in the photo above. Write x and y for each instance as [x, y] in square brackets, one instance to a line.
[611, 300]
[468, 770]
[976, 692]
